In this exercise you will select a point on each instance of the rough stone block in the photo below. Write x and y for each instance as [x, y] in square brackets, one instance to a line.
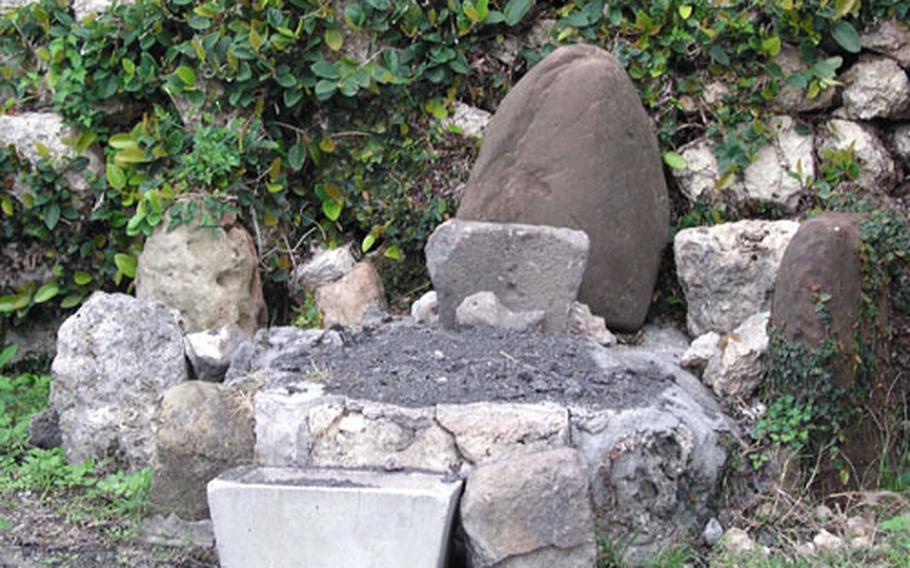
[115, 358]
[521, 511]
[489, 431]
[287, 518]
[528, 267]
[727, 271]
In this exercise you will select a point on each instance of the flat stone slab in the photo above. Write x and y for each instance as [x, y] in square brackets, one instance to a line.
[326, 518]
[528, 267]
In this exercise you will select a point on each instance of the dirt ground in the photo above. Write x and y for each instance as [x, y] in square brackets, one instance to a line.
[50, 532]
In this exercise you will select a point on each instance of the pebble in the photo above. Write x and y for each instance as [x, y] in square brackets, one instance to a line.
[827, 542]
[713, 532]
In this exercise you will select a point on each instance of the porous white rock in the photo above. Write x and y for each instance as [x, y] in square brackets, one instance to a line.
[487, 431]
[485, 309]
[85, 8]
[351, 300]
[468, 119]
[889, 37]
[209, 352]
[738, 367]
[368, 434]
[425, 310]
[326, 266]
[876, 87]
[39, 134]
[115, 358]
[727, 271]
[766, 180]
[639, 458]
[877, 169]
[210, 275]
[702, 350]
[583, 322]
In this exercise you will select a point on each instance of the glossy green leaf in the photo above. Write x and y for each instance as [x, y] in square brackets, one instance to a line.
[186, 75]
[675, 161]
[331, 209]
[126, 263]
[46, 293]
[516, 10]
[368, 242]
[115, 176]
[846, 36]
[82, 278]
[52, 216]
[7, 354]
[296, 157]
[333, 38]
[14, 302]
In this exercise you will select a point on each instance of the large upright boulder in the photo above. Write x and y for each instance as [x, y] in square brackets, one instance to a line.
[819, 296]
[115, 358]
[209, 274]
[571, 146]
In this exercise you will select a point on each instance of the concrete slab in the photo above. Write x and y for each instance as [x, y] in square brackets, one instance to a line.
[327, 518]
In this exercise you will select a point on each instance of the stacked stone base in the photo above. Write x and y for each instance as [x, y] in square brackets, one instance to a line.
[544, 480]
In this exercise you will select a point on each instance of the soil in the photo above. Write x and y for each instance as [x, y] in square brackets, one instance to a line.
[412, 365]
[41, 534]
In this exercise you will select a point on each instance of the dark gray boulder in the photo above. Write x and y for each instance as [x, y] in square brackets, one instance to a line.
[572, 146]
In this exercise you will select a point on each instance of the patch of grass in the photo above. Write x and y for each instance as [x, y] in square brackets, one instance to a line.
[92, 492]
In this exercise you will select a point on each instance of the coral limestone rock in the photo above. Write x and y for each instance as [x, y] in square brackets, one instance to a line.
[727, 271]
[115, 357]
[211, 276]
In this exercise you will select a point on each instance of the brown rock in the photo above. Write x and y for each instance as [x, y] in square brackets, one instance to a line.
[822, 258]
[211, 276]
[203, 429]
[572, 146]
[346, 301]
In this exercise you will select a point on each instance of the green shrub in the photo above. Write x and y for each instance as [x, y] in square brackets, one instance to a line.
[299, 132]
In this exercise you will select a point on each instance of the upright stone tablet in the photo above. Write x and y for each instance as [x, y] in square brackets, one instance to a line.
[572, 146]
